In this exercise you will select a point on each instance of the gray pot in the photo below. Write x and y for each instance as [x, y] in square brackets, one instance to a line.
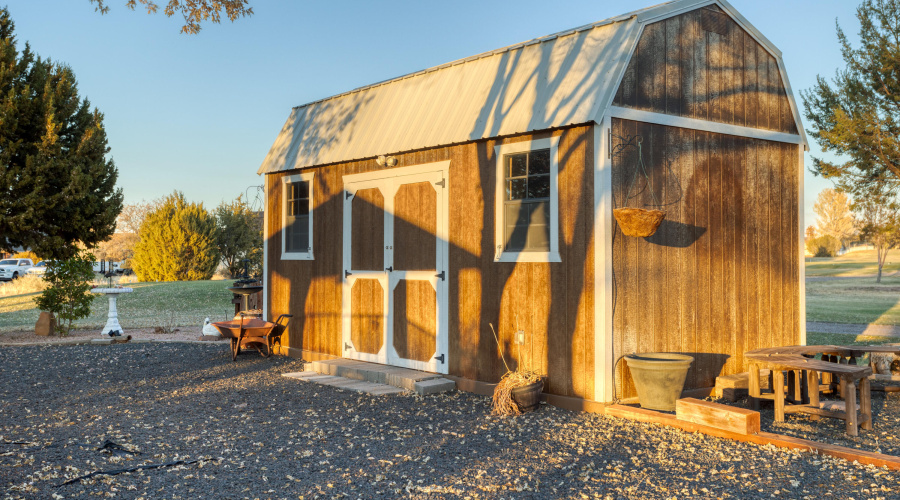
[659, 378]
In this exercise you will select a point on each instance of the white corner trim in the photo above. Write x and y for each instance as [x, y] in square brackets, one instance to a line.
[285, 182]
[703, 125]
[267, 282]
[604, 349]
[500, 150]
[801, 307]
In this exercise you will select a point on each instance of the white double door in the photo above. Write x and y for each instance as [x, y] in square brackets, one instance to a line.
[395, 273]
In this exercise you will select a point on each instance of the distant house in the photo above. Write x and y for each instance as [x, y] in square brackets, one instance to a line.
[405, 217]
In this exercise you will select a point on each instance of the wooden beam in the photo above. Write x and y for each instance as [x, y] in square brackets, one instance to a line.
[703, 125]
[717, 415]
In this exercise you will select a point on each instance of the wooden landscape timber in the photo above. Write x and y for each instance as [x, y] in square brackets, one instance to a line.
[412, 274]
[760, 438]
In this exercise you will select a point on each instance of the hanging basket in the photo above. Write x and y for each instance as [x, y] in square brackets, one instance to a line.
[639, 222]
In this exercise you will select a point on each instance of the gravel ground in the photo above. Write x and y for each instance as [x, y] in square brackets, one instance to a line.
[260, 435]
[884, 438]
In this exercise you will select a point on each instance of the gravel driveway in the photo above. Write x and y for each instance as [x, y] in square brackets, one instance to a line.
[260, 435]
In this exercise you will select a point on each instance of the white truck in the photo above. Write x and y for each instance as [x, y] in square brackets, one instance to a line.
[11, 269]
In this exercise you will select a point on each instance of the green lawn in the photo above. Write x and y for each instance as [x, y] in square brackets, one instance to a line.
[819, 338]
[856, 300]
[180, 303]
[861, 263]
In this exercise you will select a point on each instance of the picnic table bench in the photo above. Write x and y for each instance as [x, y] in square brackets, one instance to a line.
[838, 369]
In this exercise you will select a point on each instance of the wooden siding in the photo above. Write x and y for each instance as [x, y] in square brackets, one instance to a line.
[720, 277]
[553, 302]
[680, 68]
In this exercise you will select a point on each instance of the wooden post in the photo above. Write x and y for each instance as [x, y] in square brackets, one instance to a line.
[797, 389]
[848, 389]
[754, 386]
[865, 402]
[778, 386]
[812, 378]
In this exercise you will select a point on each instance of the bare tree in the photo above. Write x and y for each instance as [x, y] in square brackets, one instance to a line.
[832, 209]
[878, 216]
[133, 215]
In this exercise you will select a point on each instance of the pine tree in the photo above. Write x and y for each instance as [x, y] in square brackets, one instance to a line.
[177, 242]
[57, 189]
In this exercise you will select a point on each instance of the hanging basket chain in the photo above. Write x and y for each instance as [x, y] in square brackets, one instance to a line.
[641, 169]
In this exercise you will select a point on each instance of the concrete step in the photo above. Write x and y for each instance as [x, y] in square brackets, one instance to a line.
[345, 383]
[422, 383]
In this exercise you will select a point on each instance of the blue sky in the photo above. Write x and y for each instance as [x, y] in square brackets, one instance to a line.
[198, 113]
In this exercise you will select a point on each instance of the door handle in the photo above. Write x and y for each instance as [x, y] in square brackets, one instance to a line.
[389, 269]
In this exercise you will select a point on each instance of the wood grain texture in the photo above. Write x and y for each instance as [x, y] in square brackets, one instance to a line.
[680, 68]
[719, 276]
[367, 316]
[415, 223]
[415, 320]
[553, 301]
[367, 233]
[717, 415]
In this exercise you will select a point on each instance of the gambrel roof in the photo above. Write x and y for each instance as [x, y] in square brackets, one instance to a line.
[562, 79]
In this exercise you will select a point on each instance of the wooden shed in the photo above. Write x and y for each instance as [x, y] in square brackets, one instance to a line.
[405, 217]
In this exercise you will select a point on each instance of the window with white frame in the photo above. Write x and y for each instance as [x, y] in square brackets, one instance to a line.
[527, 201]
[297, 233]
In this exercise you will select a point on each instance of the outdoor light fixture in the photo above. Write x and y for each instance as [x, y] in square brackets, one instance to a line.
[386, 161]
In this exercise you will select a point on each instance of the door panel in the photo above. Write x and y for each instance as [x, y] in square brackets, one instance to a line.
[415, 226]
[367, 316]
[415, 320]
[395, 288]
[368, 230]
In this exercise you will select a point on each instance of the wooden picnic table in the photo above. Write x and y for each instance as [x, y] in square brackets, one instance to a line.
[838, 362]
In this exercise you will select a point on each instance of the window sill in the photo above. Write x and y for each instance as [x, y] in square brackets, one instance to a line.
[528, 257]
[297, 256]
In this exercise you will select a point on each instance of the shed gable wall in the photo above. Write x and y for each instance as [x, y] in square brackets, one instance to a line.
[721, 275]
[703, 65]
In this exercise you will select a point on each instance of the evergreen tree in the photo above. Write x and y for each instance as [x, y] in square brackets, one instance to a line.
[57, 188]
[239, 236]
[177, 242]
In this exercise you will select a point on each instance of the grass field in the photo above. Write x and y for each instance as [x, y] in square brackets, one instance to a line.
[856, 297]
[853, 264]
[165, 304]
[819, 338]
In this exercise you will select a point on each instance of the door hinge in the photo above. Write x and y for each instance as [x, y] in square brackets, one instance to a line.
[440, 358]
[441, 276]
[441, 183]
[348, 195]
[347, 346]
[347, 274]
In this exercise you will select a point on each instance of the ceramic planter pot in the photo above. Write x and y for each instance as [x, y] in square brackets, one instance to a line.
[659, 378]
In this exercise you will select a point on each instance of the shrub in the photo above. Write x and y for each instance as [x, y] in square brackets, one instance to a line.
[177, 242]
[27, 255]
[29, 283]
[68, 297]
[824, 246]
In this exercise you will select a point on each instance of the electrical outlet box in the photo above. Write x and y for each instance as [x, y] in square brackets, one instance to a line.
[520, 337]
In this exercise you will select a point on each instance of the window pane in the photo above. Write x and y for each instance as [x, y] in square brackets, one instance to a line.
[299, 190]
[296, 234]
[539, 162]
[540, 213]
[539, 186]
[539, 227]
[516, 189]
[516, 227]
[517, 165]
[301, 207]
